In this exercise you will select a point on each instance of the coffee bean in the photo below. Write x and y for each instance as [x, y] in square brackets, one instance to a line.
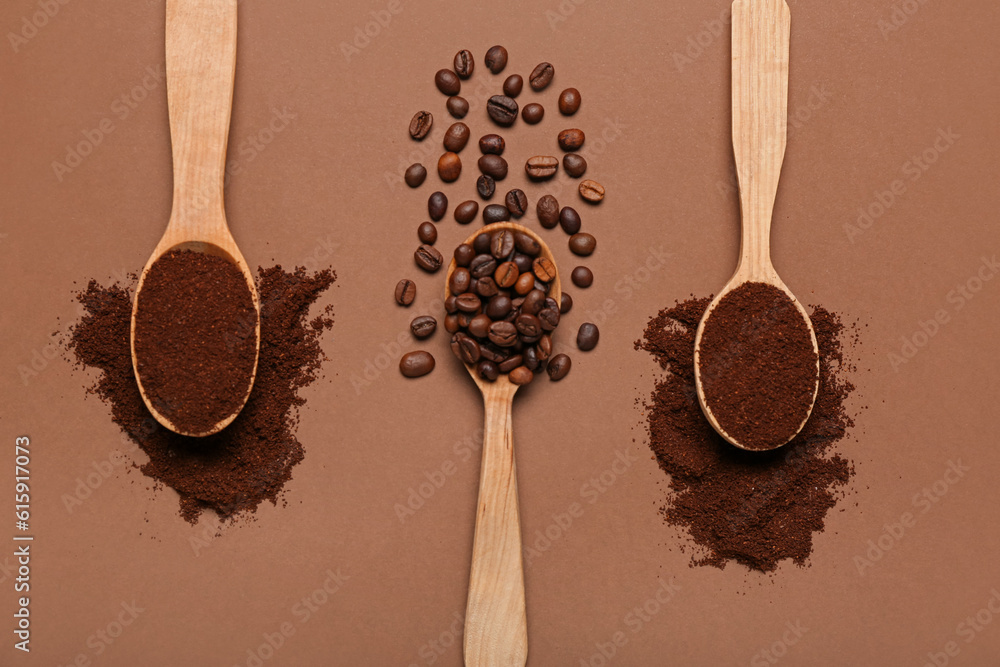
[592, 191]
[457, 106]
[482, 265]
[428, 258]
[569, 101]
[423, 326]
[406, 292]
[495, 213]
[582, 276]
[533, 113]
[427, 233]
[528, 325]
[485, 186]
[547, 209]
[481, 243]
[456, 137]
[437, 205]
[506, 275]
[421, 124]
[587, 336]
[551, 303]
[565, 303]
[533, 302]
[415, 364]
[466, 212]
[449, 167]
[492, 143]
[541, 76]
[464, 319]
[464, 64]
[464, 254]
[496, 59]
[544, 269]
[503, 334]
[549, 317]
[525, 284]
[523, 262]
[517, 202]
[531, 361]
[467, 302]
[582, 244]
[569, 220]
[571, 140]
[415, 175]
[479, 326]
[541, 167]
[527, 244]
[487, 287]
[510, 362]
[487, 370]
[502, 244]
[465, 348]
[502, 109]
[450, 305]
[544, 347]
[451, 324]
[558, 367]
[512, 85]
[574, 165]
[521, 375]
[460, 280]
[493, 165]
[447, 82]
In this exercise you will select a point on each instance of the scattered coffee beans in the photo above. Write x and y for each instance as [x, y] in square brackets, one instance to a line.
[416, 364]
[428, 233]
[566, 304]
[517, 202]
[464, 64]
[541, 167]
[437, 205]
[466, 212]
[456, 137]
[447, 82]
[533, 113]
[421, 124]
[486, 186]
[423, 326]
[591, 191]
[496, 59]
[569, 220]
[494, 166]
[541, 76]
[512, 85]
[415, 175]
[587, 336]
[569, 101]
[457, 106]
[571, 140]
[547, 209]
[406, 292]
[582, 277]
[428, 258]
[582, 244]
[574, 165]
[495, 213]
[558, 367]
[492, 144]
[502, 109]
[449, 167]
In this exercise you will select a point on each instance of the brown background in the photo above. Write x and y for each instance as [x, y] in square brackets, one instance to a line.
[318, 194]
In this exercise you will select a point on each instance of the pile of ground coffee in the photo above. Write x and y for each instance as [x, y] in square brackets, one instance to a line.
[250, 460]
[757, 508]
[758, 366]
[195, 339]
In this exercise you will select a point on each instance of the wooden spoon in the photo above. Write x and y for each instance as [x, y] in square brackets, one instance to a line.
[496, 627]
[761, 31]
[201, 62]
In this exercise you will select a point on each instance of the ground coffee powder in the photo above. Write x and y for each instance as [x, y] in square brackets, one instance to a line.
[757, 508]
[250, 460]
[195, 339]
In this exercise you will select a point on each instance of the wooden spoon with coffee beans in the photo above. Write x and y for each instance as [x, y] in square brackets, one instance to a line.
[496, 631]
[761, 31]
[200, 65]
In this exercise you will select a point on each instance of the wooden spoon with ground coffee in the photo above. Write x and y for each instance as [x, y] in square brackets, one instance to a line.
[756, 357]
[496, 631]
[195, 330]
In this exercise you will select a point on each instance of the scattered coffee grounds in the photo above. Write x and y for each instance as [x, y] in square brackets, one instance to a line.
[758, 366]
[195, 339]
[756, 508]
[250, 460]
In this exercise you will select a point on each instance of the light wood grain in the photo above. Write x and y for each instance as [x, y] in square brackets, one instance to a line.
[200, 65]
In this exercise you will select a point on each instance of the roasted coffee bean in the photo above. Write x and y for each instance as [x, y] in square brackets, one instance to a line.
[582, 244]
[487, 287]
[457, 106]
[547, 209]
[503, 334]
[437, 205]
[466, 212]
[512, 85]
[465, 348]
[525, 284]
[415, 175]
[502, 109]
[427, 233]
[551, 303]
[428, 258]
[541, 167]
[565, 303]
[521, 375]
[420, 125]
[544, 269]
[574, 165]
[531, 361]
[517, 202]
[487, 370]
[481, 244]
[492, 144]
[526, 243]
[415, 364]
[558, 367]
[496, 59]
[582, 276]
[423, 326]
[506, 275]
[491, 352]
[541, 76]
[499, 306]
[502, 244]
[569, 101]
[447, 82]
[510, 363]
[523, 262]
[482, 265]
[460, 280]
[587, 336]
[549, 318]
[467, 302]
[592, 191]
[464, 64]
[571, 140]
[495, 213]
[485, 186]
[569, 220]
[493, 165]
[534, 301]
[451, 324]
[456, 137]
[544, 347]
[464, 254]
[464, 319]
[451, 305]
[479, 326]
[406, 292]
[533, 113]
[528, 325]
[449, 167]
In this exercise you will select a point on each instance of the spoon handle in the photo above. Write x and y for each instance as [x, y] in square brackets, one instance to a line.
[496, 631]
[760, 107]
[201, 63]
